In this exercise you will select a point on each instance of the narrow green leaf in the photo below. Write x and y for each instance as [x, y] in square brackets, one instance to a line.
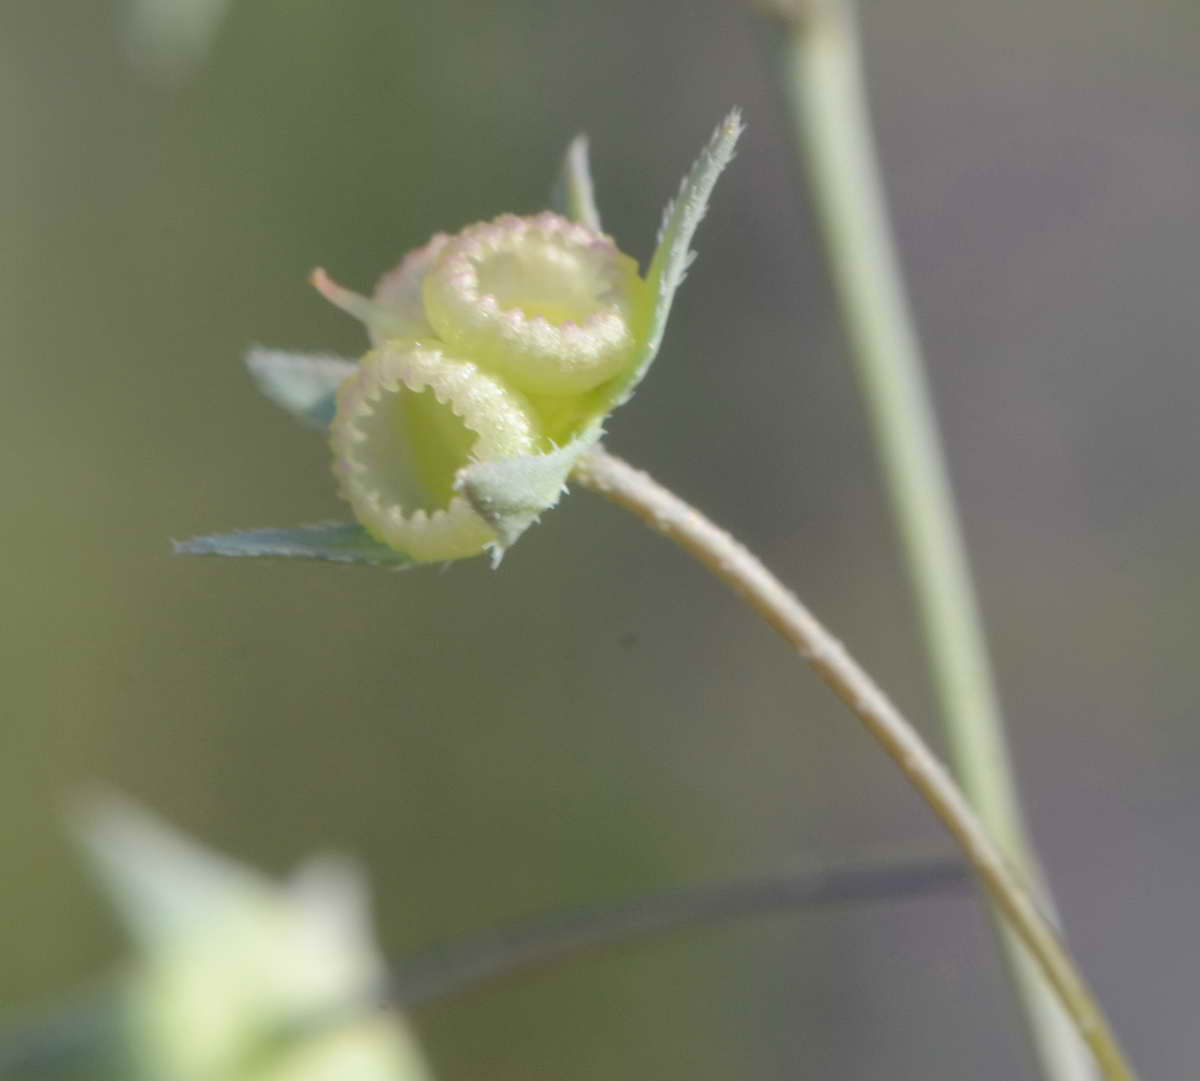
[574, 196]
[305, 385]
[674, 253]
[511, 494]
[337, 542]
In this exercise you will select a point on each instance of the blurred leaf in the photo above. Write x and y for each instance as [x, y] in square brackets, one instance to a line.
[225, 953]
[303, 384]
[161, 882]
[82, 1038]
[169, 40]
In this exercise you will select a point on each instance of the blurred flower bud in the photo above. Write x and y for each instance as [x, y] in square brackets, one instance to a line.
[228, 961]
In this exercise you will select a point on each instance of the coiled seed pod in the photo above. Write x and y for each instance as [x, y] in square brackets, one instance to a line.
[407, 421]
[499, 352]
[546, 303]
[466, 328]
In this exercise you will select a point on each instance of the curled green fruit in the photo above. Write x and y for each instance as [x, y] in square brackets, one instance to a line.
[543, 301]
[407, 421]
[498, 353]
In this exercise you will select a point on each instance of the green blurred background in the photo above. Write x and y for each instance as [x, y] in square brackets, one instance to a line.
[598, 718]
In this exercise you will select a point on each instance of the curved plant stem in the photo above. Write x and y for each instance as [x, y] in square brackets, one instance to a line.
[821, 71]
[735, 565]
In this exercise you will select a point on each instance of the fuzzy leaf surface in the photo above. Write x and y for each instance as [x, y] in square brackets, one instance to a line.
[674, 254]
[511, 494]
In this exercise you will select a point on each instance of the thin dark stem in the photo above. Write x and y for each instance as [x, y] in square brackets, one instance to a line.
[442, 971]
[75, 1035]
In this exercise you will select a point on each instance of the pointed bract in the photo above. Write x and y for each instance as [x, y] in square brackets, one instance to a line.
[674, 253]
[511, 494]
[574, 195]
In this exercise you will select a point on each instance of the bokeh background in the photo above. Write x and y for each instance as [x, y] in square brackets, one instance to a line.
[597, 718]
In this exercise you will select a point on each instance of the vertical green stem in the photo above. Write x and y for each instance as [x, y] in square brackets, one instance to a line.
[822, 76]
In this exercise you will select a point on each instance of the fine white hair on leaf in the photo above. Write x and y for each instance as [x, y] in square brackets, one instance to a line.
[674, 254]
[510, 495]
[685, 212]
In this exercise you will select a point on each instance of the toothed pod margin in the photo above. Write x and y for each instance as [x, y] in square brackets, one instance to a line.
[533, 306]
[407, 421]
[545, 302]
